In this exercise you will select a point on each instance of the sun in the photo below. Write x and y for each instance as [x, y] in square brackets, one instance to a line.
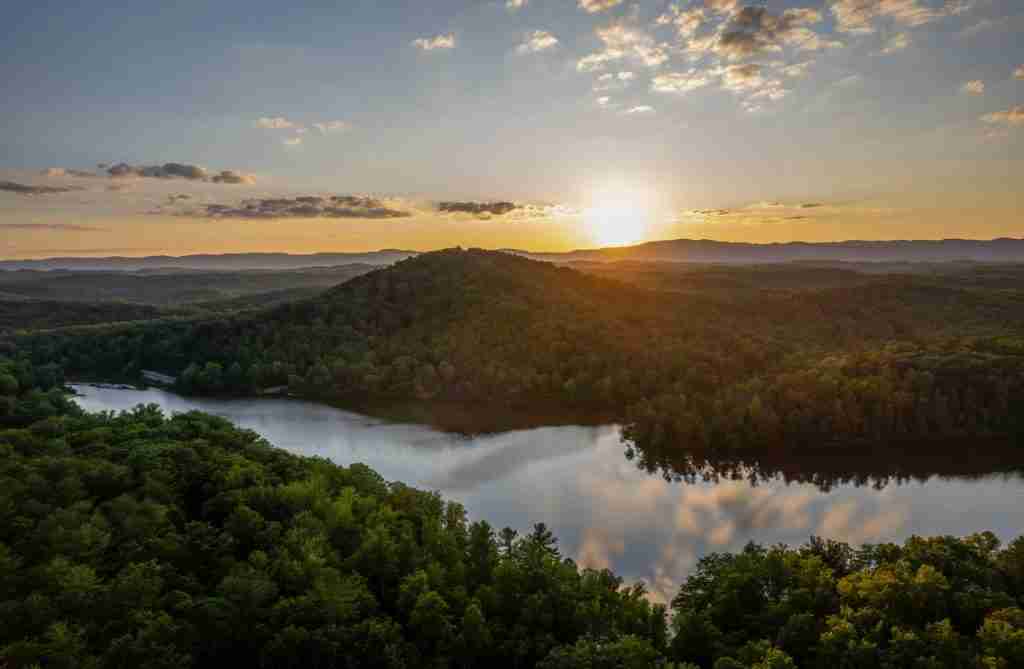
[618, 218]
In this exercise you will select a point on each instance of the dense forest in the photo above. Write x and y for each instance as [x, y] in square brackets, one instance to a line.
[140, 540]
[42, 300]
[755, 359]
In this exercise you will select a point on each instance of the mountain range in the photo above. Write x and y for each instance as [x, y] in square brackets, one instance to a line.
[1003, 250]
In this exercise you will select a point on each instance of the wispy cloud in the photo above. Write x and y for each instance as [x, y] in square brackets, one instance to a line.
[897, 42]
[796, 70]
[537, 41]
[310, 206]
[594, 6]
[680, 82]
[178, 171]
[1012, 116]
[862, 16]
[621, 42]
[976, 87]
[273, 123]
[327, 127]
[436, 42]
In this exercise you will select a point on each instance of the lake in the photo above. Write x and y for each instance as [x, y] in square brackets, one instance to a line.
[609, 512]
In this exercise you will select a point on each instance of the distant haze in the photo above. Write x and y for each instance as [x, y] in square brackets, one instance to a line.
[1005, 250]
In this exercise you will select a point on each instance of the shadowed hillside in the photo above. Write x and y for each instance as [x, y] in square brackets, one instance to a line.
[889, 357]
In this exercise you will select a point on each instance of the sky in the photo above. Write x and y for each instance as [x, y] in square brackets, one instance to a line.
[134, 128]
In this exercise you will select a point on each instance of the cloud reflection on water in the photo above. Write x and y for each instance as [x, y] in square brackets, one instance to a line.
[605, 510]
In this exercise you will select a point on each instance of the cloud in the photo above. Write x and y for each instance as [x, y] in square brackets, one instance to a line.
[594, 6]
[165, 171]
[897, 42]
[24, 189]
[640, 109]
[1019, 72]
[51, 227]
[621, 42]
[796, 70]
[754, 30]
[976, 87]
[67, 172]
[274, 123]
[311, 206]
[436, 42]
[597, 61]
[626, 76]
[1012, 116]
[232, 177]
[478, 209]
[861, 16]
[679, 82]
[722, 6]
[742, 77]
[327, 127]
[539, 40]
[685, 21]
[604, 100]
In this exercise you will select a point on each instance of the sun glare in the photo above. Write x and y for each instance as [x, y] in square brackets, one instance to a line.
[618, 218]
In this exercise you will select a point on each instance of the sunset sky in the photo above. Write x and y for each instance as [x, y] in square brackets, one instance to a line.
[601, 121]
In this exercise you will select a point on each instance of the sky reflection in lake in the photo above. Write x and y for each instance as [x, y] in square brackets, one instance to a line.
[605, 511]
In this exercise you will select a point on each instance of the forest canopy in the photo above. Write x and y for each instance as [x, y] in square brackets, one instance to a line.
[751, 360]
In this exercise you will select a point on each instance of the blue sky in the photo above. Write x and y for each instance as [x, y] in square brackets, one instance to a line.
[693, 105]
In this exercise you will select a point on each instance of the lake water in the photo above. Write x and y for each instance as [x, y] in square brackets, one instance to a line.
[608, 512]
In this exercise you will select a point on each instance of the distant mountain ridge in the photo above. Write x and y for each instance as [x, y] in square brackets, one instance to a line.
[1002, 250]
[710, 251]
[211, 261]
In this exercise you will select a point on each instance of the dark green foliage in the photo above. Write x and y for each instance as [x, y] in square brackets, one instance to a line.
[936, 603]
[137, 540]
[864, 359]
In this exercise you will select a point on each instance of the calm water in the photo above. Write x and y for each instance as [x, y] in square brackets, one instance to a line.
[604, 509]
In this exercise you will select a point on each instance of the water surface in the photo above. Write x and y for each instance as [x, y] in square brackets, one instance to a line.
[607, 511]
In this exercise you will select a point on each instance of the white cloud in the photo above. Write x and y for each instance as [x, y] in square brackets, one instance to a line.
[436, 42]
[327, 127]
[1012, 116]
[604, 100]
[897, 42]
[539, 40]
[597, 61]
[621, 41]
[860, 16]
[594, 6]
[796, 70]
[976, 87]
[686, 21]
[274, 123]
[679, 82]
[742, 77]
[626, 76]
[640, 109]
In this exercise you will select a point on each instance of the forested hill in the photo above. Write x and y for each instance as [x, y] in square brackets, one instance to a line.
[891, 357]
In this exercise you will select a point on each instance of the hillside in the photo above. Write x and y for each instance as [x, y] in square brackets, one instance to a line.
[893, 357]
